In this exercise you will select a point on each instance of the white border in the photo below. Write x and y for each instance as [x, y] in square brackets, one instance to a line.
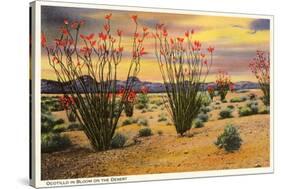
[36, 180]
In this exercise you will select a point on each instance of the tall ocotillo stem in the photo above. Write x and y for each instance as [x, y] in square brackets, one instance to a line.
[184, 67]
[97, 102]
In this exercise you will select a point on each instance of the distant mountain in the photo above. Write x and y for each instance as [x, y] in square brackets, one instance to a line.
[53, 87]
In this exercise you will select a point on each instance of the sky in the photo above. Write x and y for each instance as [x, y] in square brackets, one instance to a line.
[235, 39]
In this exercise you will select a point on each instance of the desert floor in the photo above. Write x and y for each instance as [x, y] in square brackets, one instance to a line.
[165, 152]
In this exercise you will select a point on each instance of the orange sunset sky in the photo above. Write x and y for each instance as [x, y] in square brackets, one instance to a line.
[235, 39]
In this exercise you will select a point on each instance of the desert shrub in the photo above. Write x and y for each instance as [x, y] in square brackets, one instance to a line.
[157, 102]
[154, 107]
[252, 96]
[245, 111]
[242, 91]
[143, 111]
[229, 140]
[159, 132]
[143, 122]
[58, 128]
[217, 103]
[254, 109]
[129, 121]
[55, 107]
[205, 109]
[47, 123]
[205, 99]
[75, 127]
[203, 117]
[59, 121]
[146, 131]
[264, 110]
[169, 124]
[224, 101]
[71, 116]
[51, 142]
[230, 106]
[118, 140]
[250, 103]
[198, 123]
[226, 113]
[143, 99]
[238, 99]
[140, 106]
[161, 118]
[45, 108]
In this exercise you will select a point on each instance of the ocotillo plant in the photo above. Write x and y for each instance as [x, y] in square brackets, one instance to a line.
[75, 55]
[66, 102]
[260, 66]
[211, 91]
[184, 67]
[129, 102]
[224, 84]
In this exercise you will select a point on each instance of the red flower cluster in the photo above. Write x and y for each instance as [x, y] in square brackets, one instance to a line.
[131, 96]
[223, 81]
[63, 42]
[66, 101]
[43, 39]
[260, 66]
[135, 18]
[210, 89]
[144, 89]
[211, 49]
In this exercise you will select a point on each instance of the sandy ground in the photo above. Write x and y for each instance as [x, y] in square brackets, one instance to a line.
[167, 152]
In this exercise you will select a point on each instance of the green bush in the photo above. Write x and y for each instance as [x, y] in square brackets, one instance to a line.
[154, 107]
[129, 121]
[162, 118]
[264, 110]
[118, 140]
[159, 132]
[203, 117]
[157, 102]
[144, 132]
[45, 108]
[226, 113]
[75, 127]
[54, 142]
[143, 100]
[143, 111]
[205, 109]
[250, 103]
[242, 91]
[198, 123]
[58, 128]
[47, 123]
[254, 108]
[143, 122]
[238, 99]
[229, 140]
[230, 106]
[245, 111]
[59, 121]
[140, 106]
[71, 116]
[205, 99]
[224, 101]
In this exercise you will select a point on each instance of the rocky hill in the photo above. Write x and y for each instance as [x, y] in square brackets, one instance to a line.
[55, 87]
